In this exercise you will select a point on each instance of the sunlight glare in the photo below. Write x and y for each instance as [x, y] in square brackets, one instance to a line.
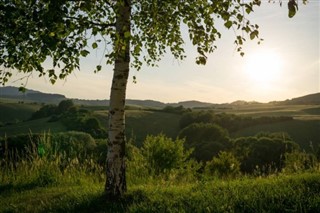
[263, 68]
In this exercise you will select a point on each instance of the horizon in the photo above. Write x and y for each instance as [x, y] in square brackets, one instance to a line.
[292, 45]
[177, 102]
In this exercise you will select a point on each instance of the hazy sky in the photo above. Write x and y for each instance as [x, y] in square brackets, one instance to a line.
[285, 65]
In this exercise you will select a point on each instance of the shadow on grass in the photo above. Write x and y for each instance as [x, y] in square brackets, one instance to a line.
[11, 188]
[100, 203]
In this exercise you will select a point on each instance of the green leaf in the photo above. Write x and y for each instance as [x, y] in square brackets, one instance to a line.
[254, 34]
[228, 24]
[291, 13]
[249, 9]
[52, 81]
[84, 53]
[99, 68]
[201, 60]
[94, 45]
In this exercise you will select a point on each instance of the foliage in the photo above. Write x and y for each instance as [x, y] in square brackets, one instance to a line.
[45, 111]
[196, 117]
[225, 165]
[38, 168]
[65, 39]
[265, 151]
[207, 139]
[64, 106]
[17, 145]
[296, 162]
[138, 170]
[73, 144]
[69, 144]
[301, 131]
[163, 154]
[72, 117]
[176, 110]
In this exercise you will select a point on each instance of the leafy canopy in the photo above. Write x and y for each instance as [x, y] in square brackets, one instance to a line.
[63, 31]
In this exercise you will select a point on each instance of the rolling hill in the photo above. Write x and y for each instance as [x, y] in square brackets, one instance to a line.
[307, 99]
[29, 95]
[37, 96]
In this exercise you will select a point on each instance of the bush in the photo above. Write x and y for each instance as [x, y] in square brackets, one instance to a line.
[264, 151]
[207, 139]
[17, 145]
[74, 144]
[93, 127]
[225, 165]
[45, 111]
[299, 162]
[136, 164]
[163, 154]
[64, 106]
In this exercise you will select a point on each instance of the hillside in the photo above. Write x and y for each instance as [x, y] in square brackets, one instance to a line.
[307, 99]
[29, 95]
[15, 112]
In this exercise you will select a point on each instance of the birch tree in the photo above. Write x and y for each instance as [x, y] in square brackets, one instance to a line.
[138, 31]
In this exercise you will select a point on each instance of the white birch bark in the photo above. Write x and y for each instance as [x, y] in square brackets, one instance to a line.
[116, 168]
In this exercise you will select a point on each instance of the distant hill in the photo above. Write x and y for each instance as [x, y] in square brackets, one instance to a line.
[192, 104]
[30, 95]
[307, 99]
[37, 96]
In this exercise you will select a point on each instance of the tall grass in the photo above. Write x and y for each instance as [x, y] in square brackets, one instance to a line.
[43, 164]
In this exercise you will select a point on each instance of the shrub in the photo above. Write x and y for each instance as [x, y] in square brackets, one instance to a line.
[65, 106]
[73, 143]
[265, 151]
[206, 138]
[45, 111]
[299, 162]
[224, 165]
[136, 164]
[163, 154]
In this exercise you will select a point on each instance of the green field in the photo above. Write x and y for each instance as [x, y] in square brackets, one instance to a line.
[14, 112]
[258, 110]
[34, 126]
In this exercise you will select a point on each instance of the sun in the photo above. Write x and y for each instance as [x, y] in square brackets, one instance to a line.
[263, 68]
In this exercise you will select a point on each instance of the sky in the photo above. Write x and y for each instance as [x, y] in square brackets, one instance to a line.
[285, 65]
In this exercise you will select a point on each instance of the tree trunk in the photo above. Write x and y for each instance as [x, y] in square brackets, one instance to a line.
[116, 169]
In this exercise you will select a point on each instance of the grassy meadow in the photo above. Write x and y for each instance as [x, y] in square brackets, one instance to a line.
[276, 194]
[16, 112]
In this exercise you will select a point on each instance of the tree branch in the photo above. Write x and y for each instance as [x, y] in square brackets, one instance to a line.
[105, 25]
